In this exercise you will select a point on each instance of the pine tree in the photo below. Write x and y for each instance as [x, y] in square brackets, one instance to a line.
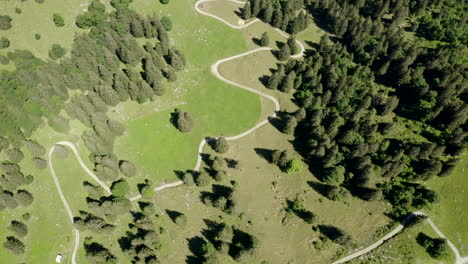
[293, 45]
[246, 11]
[276, 78]
[287, 85]
[277, 18]
[265, 40]
[268, 13]
[284, 53]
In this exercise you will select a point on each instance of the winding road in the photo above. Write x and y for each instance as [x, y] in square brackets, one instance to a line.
[215, 71]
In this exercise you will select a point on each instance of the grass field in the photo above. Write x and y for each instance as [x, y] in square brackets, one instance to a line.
[37, 19]
[451, 213]
[404, 249]
[158, 149]
[217, 108]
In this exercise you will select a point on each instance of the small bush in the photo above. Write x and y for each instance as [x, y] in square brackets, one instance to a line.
[4, 60]
[18, 10]
[148, 192]
[120, 188]
[37, 36]
[4, 43]
[164, 2]
[58, 20]
[40, 1]
[56, 52]
[294, 165]
[167, 23]
[39, 163]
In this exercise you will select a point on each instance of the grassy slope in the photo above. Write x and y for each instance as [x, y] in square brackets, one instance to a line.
[451, 213]
[37, 18]
[151, 141]
[262, 205]
[403, 249]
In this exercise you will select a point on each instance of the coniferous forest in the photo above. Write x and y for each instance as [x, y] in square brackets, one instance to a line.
[382, 97]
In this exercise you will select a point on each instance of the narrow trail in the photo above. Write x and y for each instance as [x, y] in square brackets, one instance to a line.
[400, 227]
[215, 71]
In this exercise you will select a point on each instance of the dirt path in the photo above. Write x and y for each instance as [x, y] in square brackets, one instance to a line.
[215, 71]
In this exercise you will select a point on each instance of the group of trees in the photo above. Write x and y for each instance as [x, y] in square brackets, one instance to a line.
[362, 86]
[436, 247]
[143, 239]
[286, 15]
[220, 241]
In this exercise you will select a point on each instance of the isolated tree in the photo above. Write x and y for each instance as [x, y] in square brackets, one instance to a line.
[39, 163]
[120, 188]
[293, 45]
[180, 219]
[284, 53]
[221, 145]
[127, 168]
[265, 39]
[290, 124]
[56, 52]
[24, 198]
[187, 178]
[18, 228]
[58, 20]
[183, 121]
[14, 245]
[167, 23]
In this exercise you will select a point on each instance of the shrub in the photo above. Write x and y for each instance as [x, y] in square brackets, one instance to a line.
[334, 175]
[4, 60]
[18, 10]
[4, 43]
[15, 155]
[5, 22]
[167, 23]
[203, 179]
[148, 191]
[37, 36]
[180, 219]
[14, 245]
[164, 2]
[28, 179]
[39, 163]
[40, 1]
[26, 216]
[56, 52]
[58, 20]
[187, 178]
[120, 188]
[61, 151]
[294, 165]
[18, 228]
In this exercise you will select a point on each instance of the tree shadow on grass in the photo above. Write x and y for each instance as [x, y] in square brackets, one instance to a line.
[267, 154]
[196, 245]
[173, 214]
